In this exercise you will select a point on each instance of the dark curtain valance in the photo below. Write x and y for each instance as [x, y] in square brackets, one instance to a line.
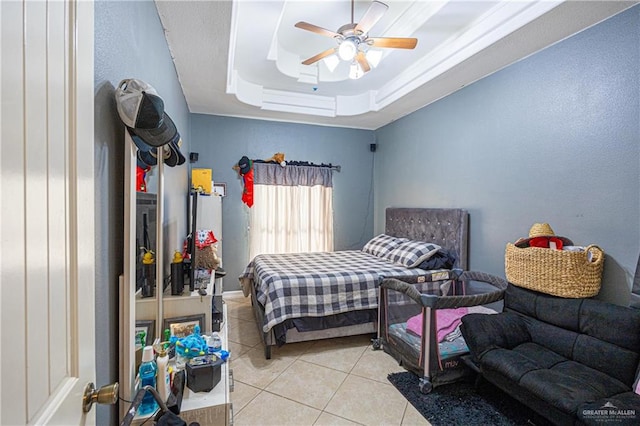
[275, 174]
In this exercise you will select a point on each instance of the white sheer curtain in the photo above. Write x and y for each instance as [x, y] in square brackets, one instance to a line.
[292, 210]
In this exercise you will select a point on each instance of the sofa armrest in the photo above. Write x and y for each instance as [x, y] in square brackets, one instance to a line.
[483, 333]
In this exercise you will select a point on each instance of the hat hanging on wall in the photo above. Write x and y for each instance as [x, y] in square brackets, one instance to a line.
[141, 109]
[244, 165]
[146, 154]
[245, 168]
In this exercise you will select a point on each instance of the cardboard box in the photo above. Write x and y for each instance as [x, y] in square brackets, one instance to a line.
[201, 178]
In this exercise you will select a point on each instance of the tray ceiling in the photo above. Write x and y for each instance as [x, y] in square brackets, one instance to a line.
[243, 58]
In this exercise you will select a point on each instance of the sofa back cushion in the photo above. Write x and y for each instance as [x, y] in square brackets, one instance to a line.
[601, 335]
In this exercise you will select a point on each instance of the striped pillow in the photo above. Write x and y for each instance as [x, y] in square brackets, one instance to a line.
[412, 253]
[381, 245]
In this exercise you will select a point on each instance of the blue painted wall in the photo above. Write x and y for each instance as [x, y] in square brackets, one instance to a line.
[553, 138]
[222, 141]
[129, 43]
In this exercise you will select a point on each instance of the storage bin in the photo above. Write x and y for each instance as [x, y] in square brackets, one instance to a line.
[561, 273]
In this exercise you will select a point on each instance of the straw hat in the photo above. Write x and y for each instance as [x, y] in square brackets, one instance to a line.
[541, 230]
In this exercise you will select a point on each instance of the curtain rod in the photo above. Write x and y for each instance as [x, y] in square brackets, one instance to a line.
[304, 163]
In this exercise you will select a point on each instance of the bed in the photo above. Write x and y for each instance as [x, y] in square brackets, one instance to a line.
[309, 296]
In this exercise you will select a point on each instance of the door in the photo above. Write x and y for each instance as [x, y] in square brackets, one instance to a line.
[46, 211]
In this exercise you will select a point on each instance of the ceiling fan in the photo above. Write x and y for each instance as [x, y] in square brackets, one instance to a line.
[353, 38]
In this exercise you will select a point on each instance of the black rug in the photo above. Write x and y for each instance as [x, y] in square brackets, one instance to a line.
[463, 404]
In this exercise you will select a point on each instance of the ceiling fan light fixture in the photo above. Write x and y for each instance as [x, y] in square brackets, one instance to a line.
[347, 50]
[331, 62]
[355, 71]
[354, 44]
[374, 57]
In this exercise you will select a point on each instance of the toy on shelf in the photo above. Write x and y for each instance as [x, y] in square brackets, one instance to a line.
[190, 346]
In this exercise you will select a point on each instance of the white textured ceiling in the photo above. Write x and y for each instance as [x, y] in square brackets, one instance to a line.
[242, 58]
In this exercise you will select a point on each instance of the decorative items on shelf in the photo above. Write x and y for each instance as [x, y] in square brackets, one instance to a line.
[201, 358]
[148, 273]
[177, 274]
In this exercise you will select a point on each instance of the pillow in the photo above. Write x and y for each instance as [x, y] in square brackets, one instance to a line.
[381, 245]
[412, 253]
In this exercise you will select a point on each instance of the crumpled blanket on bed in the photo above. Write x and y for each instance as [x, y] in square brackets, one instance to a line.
[299, 285]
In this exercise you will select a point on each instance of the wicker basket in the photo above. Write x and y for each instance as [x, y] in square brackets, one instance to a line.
[557, 272]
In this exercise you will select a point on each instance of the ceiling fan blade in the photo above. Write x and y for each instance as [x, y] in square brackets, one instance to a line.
[319, 56]
[316, 29]
[371, 17]
[362, 60]
[398, 43]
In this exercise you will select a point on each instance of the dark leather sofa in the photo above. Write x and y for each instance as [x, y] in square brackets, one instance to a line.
[573, 361]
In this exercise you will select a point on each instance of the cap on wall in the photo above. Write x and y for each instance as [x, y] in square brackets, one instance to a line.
[141, 109]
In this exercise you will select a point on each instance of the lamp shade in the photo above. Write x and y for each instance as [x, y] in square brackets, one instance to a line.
[373, 57]
[331, 62]
[347, 50]
[355, 71]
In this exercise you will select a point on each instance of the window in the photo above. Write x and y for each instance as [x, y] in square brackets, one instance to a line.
[292, 210]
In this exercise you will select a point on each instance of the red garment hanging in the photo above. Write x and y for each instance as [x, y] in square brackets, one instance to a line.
[247, 193]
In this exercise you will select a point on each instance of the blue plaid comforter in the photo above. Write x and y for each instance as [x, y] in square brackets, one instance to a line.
[317, 284]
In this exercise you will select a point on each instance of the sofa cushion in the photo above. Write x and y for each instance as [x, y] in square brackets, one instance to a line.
[504, 330]
[509, 363]
[563, 392]
[563, 313]
[552, 337]
[618, 325]
[602, 383]
[569, 384]
[603, 356]
[520, 360]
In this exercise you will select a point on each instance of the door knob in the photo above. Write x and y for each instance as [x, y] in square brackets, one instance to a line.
[107, 394]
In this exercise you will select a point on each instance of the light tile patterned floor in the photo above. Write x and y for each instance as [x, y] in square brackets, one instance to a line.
[327, 382]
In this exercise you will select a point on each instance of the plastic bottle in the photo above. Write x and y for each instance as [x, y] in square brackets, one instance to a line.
[147, 372]
[214, 342]
[163, 378]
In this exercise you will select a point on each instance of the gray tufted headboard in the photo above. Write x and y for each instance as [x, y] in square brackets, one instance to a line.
[449, 228]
